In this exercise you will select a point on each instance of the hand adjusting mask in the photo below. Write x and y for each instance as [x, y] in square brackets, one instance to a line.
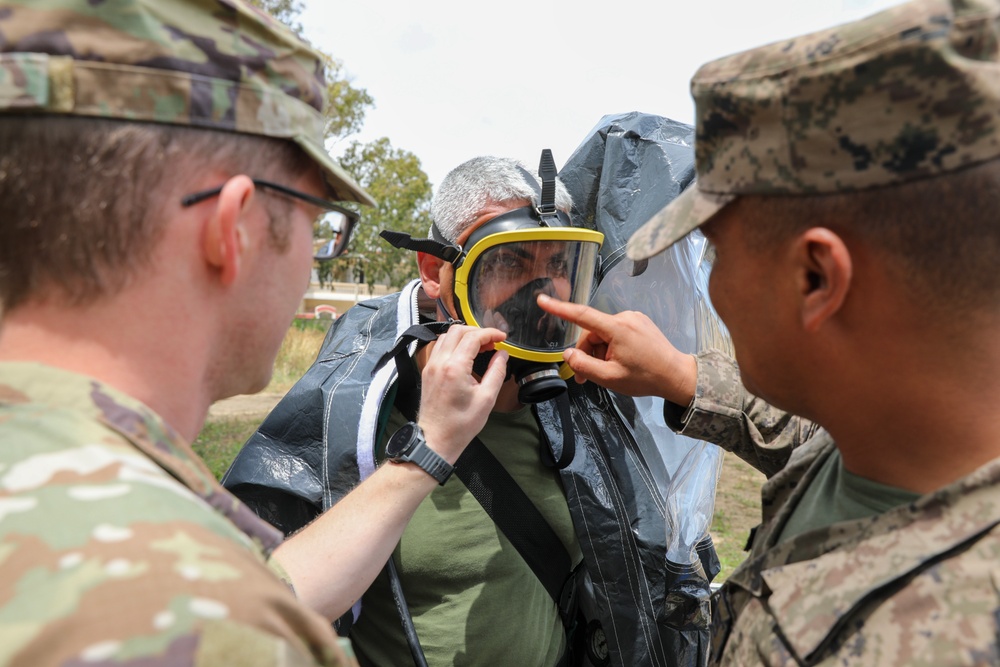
[502, 267]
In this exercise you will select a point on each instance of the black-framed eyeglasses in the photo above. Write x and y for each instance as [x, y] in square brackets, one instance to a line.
[339, 220]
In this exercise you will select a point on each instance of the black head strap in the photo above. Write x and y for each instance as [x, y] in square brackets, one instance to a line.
[408, 396]
[546, 194]
[440, 247]
[449, 252]
[547, 172]
[437, 235]
[530, 179]
[546, 208]
[424, 333]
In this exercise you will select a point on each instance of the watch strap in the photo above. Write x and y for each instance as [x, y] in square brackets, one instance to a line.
[430, 461]
[417, 452]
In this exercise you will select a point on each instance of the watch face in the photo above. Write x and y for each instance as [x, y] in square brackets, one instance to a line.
[401, 441]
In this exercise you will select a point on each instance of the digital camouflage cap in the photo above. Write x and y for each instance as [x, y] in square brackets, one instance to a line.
[909, 93]
[215, 64]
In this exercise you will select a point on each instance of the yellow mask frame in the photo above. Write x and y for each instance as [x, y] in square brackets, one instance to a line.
[582, 287]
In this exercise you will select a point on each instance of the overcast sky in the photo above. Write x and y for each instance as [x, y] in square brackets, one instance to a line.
[455, 79]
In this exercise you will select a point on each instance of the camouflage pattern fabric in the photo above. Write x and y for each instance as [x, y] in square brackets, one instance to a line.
[216, 64]
[916, 585]
[909, 93]
[724, 413]
[118, 546]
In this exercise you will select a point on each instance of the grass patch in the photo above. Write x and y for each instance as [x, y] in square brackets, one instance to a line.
[737, 510]
[221, 439]
[298, 352]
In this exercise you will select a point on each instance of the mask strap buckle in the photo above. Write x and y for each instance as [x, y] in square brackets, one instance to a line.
[547, 200]
[548, 214]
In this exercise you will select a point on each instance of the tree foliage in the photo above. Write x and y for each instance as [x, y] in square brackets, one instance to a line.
[392, 176]
[346, 103]
[403, 192]
[286, 11]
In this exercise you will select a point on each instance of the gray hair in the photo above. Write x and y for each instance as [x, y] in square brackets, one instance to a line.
[476, 183]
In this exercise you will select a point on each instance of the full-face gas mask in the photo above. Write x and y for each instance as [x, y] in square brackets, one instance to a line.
[502, 267]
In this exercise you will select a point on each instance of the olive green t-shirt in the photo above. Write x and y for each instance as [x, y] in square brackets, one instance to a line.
[838, 495]
[473, 599]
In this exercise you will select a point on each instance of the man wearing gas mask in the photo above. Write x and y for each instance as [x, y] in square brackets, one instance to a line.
[547, 546]
[509, 244]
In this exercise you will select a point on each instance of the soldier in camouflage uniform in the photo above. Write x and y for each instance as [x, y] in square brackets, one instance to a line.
[161, 170]
[849, 181]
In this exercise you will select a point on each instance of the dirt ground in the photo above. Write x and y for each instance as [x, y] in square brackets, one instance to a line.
[247, 404]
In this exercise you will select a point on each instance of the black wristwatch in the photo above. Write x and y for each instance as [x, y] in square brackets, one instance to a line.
[407, 445]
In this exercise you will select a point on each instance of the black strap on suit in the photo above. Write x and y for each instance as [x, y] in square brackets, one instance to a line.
[496, 491]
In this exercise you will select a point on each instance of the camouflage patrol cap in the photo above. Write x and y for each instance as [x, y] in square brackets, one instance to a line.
[909, 93]
[215, 64]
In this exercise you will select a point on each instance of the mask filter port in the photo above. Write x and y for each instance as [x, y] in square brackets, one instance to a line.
[537, 382]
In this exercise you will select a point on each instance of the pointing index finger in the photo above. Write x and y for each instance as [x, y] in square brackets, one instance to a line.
[586, 317]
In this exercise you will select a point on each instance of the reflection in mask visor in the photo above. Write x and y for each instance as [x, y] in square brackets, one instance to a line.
[505, 281]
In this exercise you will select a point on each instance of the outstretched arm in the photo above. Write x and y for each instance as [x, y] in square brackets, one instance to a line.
[333, 560]
[626, 353]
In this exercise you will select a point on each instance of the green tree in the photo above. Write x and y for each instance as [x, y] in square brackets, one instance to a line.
[403, 192]
[286, 11]
[393, 177]
[346, 104]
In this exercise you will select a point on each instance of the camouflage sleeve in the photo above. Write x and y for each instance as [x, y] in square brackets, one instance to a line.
[106, 560]
[725, 413]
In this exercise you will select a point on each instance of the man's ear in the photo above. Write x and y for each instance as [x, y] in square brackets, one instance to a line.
[825, 274]
[430, 273]
[225, 236]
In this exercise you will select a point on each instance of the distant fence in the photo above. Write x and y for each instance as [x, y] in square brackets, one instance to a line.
[338, 296]
[360, 289]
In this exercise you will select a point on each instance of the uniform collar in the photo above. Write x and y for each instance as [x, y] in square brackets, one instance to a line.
[860, 558]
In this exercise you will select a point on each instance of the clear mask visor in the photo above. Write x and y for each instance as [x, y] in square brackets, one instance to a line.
[499, 283]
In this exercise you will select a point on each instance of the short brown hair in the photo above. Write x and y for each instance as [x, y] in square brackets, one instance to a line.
[940, 235]
[81, 197]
